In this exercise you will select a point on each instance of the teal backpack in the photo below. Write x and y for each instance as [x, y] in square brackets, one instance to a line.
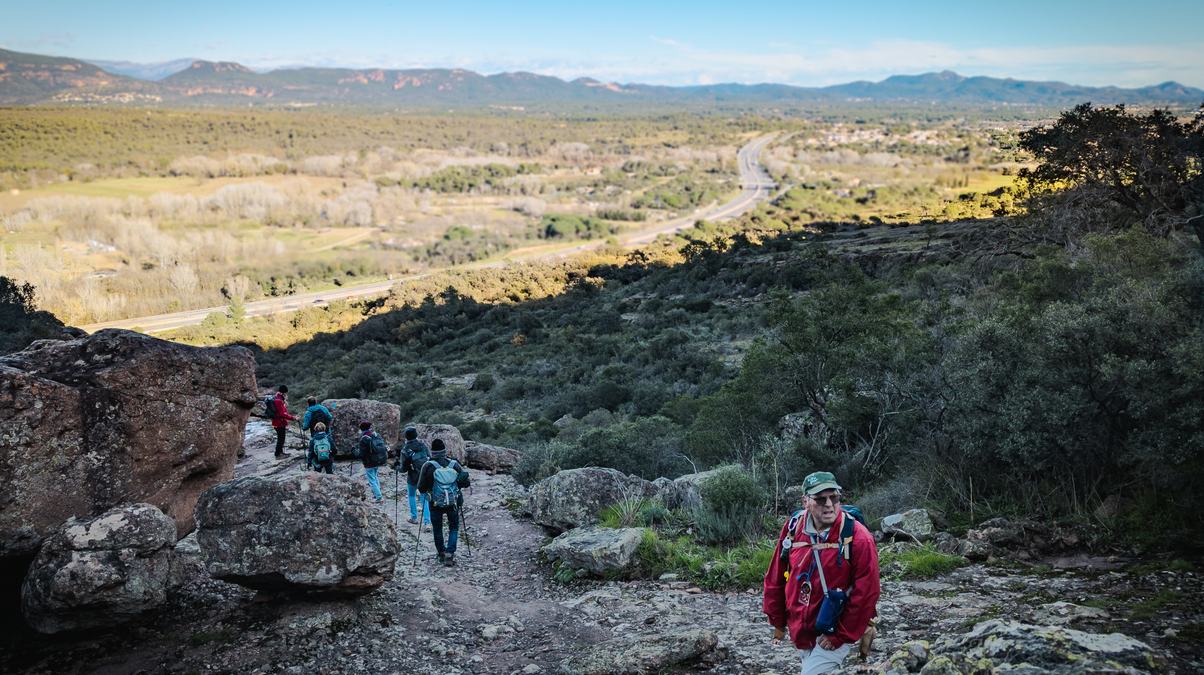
[446, 490]
[322, 448]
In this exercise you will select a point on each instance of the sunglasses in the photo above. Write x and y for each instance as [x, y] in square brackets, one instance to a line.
[829, 499]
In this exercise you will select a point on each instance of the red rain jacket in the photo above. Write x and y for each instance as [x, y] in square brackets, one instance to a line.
[282, 417]
[781, 601]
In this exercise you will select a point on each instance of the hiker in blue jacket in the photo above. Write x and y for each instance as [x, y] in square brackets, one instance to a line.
[441, 479]
[321, 451]
[316, 412]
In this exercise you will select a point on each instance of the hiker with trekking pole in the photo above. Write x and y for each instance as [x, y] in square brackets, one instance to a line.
[821, 589]
[411, 456]
[442, 479]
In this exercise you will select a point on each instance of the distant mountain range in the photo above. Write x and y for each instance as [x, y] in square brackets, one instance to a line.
[34, 79]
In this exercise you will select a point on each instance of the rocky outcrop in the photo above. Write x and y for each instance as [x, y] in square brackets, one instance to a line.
[913, 524]
[348, 412]
[100, 571]
[574, 497]
[1021, 647]
[491, 458]
[598, 550]
[636, 655]
[685, 492]
[301, 532]
[450, 435]
[115, 418]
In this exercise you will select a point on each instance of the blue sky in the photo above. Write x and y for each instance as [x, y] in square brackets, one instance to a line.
[800, 42]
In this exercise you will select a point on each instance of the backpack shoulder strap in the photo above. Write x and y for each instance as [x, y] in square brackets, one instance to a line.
[847, 530]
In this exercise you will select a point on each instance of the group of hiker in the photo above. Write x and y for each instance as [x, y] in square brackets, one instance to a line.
[820, 591]
[434, 481]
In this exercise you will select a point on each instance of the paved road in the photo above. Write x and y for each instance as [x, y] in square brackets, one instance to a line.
[755, 183]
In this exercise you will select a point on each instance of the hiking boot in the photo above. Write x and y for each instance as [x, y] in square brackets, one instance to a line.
[442, 558]
[449, 560]
[377, 500]
[412, 521]
[281, 455]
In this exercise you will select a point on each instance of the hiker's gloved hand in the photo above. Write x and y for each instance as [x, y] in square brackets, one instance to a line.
[779, 634]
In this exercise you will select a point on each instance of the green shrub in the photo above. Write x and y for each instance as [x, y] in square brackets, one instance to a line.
[733, 503]
[923, 562]
[539, 461]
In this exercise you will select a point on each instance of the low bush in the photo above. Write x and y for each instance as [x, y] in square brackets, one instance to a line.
[923, 562]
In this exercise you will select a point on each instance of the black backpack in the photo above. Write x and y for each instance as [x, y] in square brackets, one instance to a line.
[377, 452]
[269, 406]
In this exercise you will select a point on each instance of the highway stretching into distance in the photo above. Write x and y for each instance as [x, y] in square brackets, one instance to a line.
[755, 186]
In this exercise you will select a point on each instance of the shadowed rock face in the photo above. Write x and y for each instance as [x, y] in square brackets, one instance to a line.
[451, 438]
[115, 418]
[301, 532]
[490, 458]
[385, 419]
[100, 572]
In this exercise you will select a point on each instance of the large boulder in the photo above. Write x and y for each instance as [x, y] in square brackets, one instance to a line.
[597, 549]
[669, 651]
[999, 644]
[491, 458]
[348, 412]
[307, 531]
[913, 524]
[451, 438]
[686, 491]
[115, 418]
[100, 571]
[574, 497]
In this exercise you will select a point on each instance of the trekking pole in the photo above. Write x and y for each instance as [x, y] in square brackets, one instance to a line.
[395, 500]
[464, 528]
[417, 539]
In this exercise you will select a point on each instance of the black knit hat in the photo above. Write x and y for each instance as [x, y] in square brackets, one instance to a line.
[411, 433]
[438, 449]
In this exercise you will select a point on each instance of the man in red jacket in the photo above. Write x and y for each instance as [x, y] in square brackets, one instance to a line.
[821, 547]
[281, 418]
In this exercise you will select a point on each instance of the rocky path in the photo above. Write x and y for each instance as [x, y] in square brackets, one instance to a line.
[499, 611]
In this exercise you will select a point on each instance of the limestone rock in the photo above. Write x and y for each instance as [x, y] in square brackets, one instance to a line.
[115, 418]
[686, 491]
[792, 498]
[491, 458]
[101, 571]
[451, 438]
[645, 654]
[348, 412]
[1015, 646]
[661, 483]
[597, 549]
[803, 425]
[975, 550]
[574, 497]
[307, 531]
[913, 524]
[1066, 613]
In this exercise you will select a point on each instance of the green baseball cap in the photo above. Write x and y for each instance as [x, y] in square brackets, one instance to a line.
[818, 482]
